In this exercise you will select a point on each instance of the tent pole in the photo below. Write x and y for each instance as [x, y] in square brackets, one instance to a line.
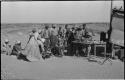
[110, 26]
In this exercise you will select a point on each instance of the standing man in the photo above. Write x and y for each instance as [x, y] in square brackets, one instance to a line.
[70, 40]
[84, 31]
[54, 30]
[60, 32]
[46, 35]
[53, 36]
[64, 35]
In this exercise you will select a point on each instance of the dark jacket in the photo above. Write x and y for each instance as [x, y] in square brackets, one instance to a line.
[16, 49]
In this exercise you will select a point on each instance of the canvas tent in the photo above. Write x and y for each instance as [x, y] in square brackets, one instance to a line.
[117, 35]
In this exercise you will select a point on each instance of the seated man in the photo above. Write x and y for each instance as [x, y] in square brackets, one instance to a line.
[83, 35]
[78, 34]
[80, 37]
[17, 49]
[57, 49]
[6, 47]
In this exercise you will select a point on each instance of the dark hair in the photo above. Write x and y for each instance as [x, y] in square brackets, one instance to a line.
[73, 28]
[46, 27]
[66, 25]
[78, 29]
[6, 42]
[53, 26]
[84, 25]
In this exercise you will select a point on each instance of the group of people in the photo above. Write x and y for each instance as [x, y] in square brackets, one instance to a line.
[49, 41]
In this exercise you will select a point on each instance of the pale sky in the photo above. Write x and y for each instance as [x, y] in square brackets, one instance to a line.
[55, 12]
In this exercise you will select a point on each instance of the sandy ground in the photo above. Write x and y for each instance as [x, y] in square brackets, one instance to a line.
[62, 68]
[56, 68]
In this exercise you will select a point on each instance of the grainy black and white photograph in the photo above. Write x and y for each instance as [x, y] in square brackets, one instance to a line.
[62, 40]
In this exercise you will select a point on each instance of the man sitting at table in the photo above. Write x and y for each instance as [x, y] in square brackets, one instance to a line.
[78, 37]
[82, 35]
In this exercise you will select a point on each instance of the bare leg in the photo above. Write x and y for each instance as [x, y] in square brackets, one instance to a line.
[88, 51]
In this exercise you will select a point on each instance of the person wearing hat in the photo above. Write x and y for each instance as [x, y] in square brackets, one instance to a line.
[46, 35]
[6, 47]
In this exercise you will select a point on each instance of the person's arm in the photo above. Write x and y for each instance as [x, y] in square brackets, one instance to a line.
[39, 38]
[30, 35]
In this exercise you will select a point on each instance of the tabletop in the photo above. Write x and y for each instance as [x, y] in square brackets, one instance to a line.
[90, 42]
